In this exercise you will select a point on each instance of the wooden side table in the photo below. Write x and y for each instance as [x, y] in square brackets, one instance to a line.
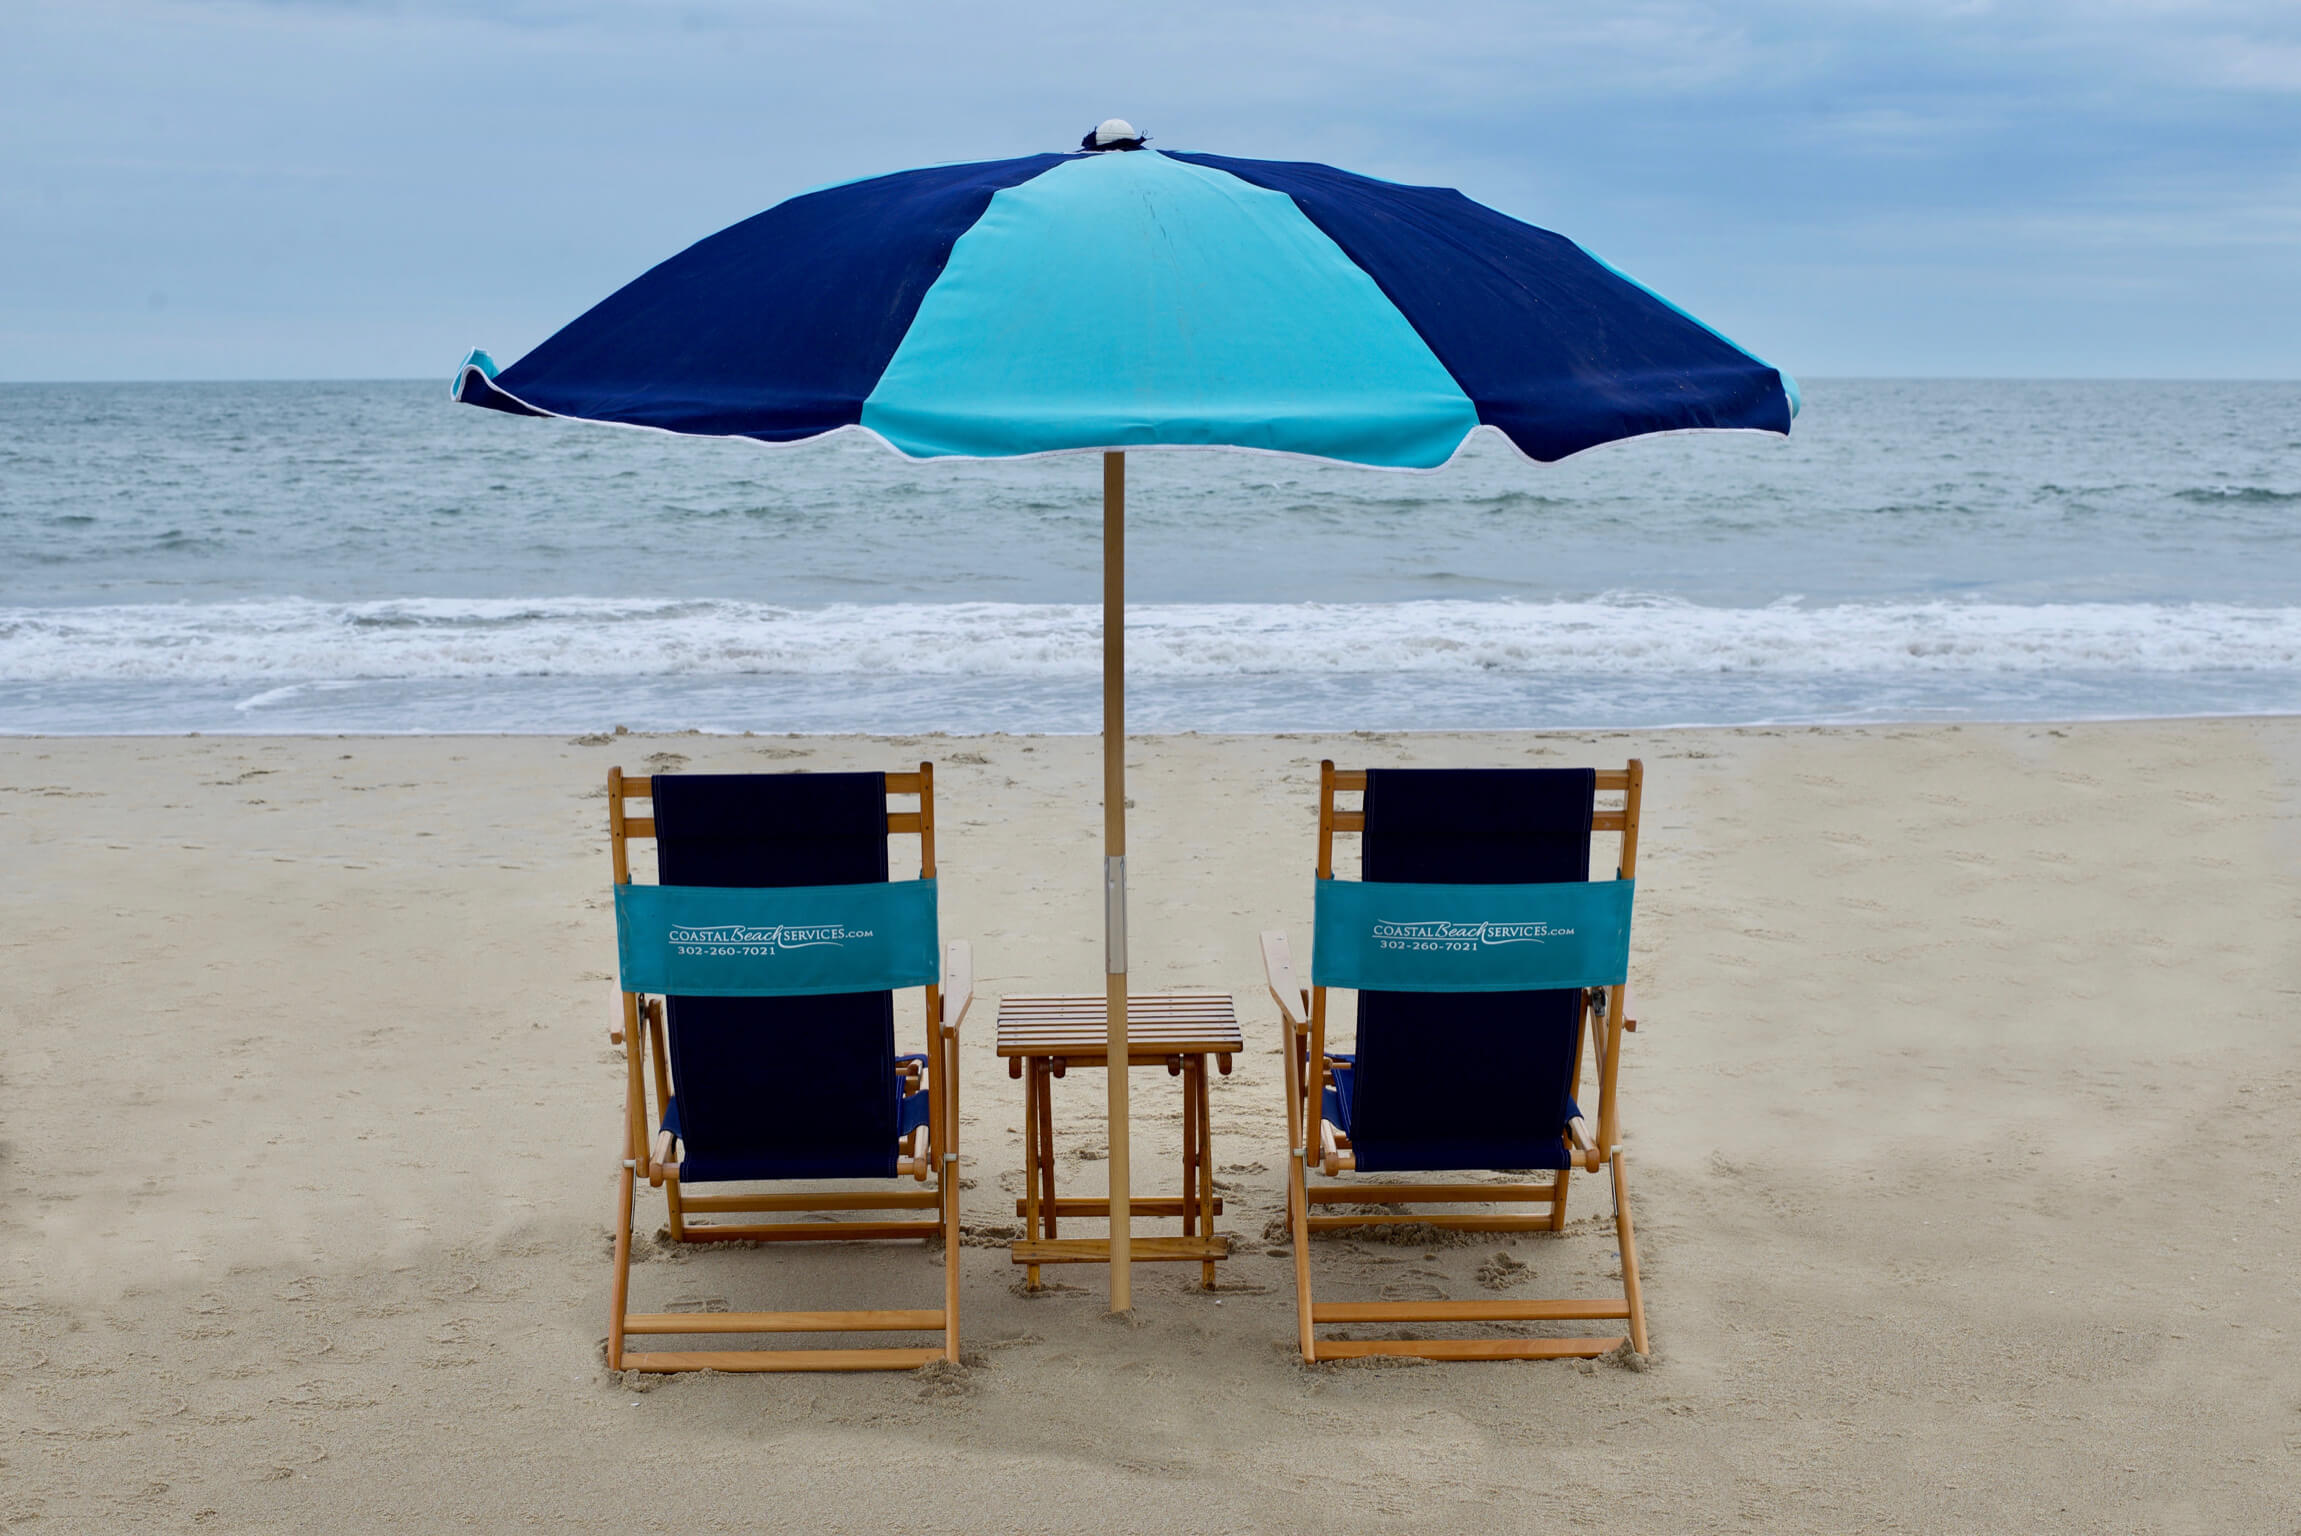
[1042, 1038]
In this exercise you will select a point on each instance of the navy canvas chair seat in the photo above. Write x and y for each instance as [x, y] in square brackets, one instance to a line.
[766, 1082]
[1491, 1147]
[1458, 1080]
[911, 1113]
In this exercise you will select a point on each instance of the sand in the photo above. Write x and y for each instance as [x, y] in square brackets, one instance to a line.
[1964, 1118]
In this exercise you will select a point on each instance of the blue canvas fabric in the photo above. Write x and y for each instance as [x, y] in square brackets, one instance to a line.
[736, 941]
[1555, 347]
[775, 328]
[1468, 1079]
[1339, 1100]
[911, 1113]
[1339, 1103]
[1405, 936]
[780, 1087]
[1061, 303]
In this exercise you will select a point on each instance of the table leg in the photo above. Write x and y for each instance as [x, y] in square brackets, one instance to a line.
[1047, 1147]
[1189, 1150]
[1205, 1168]
[1031, 1091]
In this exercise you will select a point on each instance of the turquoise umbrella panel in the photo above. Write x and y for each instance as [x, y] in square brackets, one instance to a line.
[1137, 299]
[1131, 300]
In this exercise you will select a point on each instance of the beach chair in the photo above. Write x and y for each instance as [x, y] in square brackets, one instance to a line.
[758, 978]
[1487, 965]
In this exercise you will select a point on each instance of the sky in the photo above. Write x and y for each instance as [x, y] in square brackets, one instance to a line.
[361, 188]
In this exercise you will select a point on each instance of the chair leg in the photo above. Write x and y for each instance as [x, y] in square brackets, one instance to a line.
[1558, 1201]
[1189, 1153]
[1298, 1218]
[1031, 1091]
[1047, 1149]
[1629, 1241]
[948, 1174]
[677, 1206]
[626, 1192]
[951, 1263]
[1300, 1104]
[947, 1178]
[1205, 1169]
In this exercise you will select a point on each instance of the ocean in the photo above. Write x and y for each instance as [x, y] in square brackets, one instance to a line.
[368, 557]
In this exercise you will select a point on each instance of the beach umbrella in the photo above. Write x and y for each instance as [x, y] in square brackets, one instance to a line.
[1117, 298]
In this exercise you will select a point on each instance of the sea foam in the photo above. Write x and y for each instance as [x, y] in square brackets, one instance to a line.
[295, 640]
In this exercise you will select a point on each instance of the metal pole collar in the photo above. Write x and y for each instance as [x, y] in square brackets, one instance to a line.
[1115, 915]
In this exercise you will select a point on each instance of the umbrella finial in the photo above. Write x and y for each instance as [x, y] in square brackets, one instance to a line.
[1112, 133]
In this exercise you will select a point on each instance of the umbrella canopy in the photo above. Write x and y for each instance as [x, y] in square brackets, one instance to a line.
[1134, 300]
[1121, 298]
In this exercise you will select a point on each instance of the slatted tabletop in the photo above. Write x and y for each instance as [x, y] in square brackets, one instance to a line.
[1074, 1025]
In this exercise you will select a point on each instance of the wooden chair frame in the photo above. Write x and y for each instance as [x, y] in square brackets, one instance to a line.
[1313, 1143]
[659, 1159]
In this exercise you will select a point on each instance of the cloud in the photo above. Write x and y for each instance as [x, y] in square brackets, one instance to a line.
[366, 186]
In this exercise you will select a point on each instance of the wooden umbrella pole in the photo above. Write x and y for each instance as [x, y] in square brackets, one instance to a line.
[1115, 863]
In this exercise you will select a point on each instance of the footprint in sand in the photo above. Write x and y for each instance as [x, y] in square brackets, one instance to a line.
[1502, 1271]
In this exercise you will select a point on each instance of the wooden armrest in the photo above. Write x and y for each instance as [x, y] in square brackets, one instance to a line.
[1278, 972]
[1582, 1136]
[665, 1159]
[911, 1162]
[958, 984]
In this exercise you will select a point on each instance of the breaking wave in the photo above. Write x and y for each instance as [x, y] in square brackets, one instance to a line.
[278, 642]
